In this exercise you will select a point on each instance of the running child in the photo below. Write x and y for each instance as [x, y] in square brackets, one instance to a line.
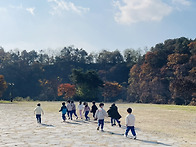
[114, 114]
[69, 109]
[130, 123]
[100, 115]
[63, 110]
[80, 108]
[74, 109]
[94, 109]
[86, 111]
[38, 111]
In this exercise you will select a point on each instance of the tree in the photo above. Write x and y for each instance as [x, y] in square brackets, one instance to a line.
[177, 58]
[182, 90]
[3, 85]
[111, 90]
[132, 57]
[66, 90]
[192, 47]
[87, 84]
[49, 89]
[110, 57]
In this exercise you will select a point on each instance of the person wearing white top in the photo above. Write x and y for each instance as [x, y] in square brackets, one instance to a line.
[69, 109]
[100, 115]
[80, 108]
[38, 111]
[130, 123]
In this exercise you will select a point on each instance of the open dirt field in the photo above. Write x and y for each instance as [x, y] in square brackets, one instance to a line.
[156, 125]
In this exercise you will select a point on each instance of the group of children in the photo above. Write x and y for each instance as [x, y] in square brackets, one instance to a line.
[98, 114]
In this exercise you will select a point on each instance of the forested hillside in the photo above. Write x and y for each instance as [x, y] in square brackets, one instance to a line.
[165, 74]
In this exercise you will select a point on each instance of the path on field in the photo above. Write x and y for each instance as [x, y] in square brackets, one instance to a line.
[18, 127]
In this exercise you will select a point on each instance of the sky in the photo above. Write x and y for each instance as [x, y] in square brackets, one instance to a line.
[94, 25]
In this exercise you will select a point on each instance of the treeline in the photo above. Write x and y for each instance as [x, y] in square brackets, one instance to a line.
[38, 74]
[165, 74]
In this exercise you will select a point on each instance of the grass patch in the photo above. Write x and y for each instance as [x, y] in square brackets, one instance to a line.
[178, 107]
[5, 102]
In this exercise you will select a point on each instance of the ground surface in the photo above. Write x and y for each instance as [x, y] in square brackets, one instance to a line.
[155, 126]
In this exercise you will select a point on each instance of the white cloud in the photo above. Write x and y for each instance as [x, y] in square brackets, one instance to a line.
[21, 7]
[182, 2]
[31, 10]
[133, 11]
[61, 5]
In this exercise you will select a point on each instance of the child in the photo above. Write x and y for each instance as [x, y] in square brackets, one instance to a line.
[80, 108]
[74, 109]
[38, 111]
[63, 110]
[130, 122]
[69, 109]
[114, 114]
[86, 111]
[93, 109]
[100, 115]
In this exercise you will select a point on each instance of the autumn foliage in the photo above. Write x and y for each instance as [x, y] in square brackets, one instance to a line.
[66, 90]
[167, 74]
[111, 90]
[164, 74]
[3, 85]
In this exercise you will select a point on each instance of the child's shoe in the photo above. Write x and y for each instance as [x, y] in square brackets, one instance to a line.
[119, 125]
[125, 135]
[97, 128]
[134, 137]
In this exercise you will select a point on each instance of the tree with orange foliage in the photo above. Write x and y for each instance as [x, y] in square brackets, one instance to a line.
[3, 85]
[192, 46]
[111, 90]
[66, 90]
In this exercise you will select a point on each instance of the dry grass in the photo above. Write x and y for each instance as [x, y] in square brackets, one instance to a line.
[177, 122]
[165, 120]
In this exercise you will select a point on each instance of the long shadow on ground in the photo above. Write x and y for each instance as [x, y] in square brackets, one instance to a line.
[46, 125]
[141, 140]
[74, 123]
[153, 142]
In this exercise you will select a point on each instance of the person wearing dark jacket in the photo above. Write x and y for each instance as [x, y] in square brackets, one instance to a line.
[63, 110]
[94, 109]
[114, 114]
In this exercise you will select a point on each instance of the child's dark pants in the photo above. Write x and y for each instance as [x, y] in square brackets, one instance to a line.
[86, 115]
[38, 116]
[101, 123]
[69, 113]
[94, 114]
[74, 112]
[132, 130]
[63, 117]
[113, 121]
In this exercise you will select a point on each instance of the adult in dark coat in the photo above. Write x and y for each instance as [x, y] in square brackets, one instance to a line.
[114, 114]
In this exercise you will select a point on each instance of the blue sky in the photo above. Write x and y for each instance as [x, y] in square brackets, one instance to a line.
[94, 25]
